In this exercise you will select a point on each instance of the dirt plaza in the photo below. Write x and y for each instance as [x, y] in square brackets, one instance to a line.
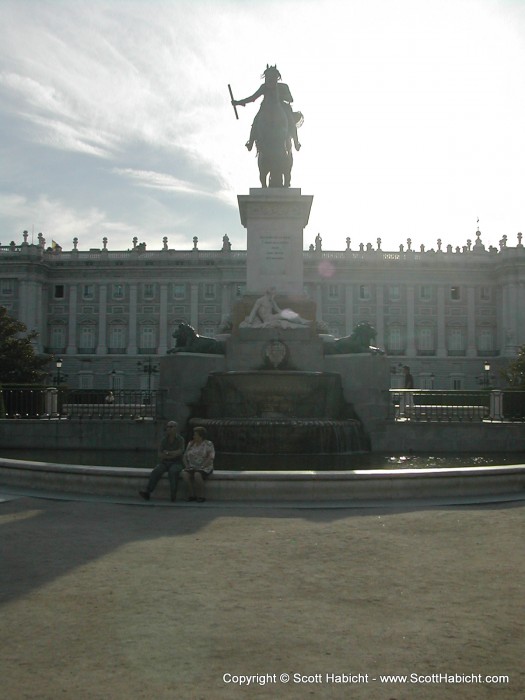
[202, 602]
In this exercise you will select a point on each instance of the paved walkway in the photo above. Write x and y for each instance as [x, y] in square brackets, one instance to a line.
[121, 601]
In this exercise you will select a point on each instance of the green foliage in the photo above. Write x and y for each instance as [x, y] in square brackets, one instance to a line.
[515, 372]
[18, 360]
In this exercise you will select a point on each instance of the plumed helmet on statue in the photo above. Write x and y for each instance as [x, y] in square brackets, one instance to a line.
[271, 71]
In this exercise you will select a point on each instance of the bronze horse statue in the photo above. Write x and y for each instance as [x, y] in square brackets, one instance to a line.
[188, 340]
[273, 130]
[274, 150]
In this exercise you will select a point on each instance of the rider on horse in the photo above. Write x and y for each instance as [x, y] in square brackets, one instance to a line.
[267, 91]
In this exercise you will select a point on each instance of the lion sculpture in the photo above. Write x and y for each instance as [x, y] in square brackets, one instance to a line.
[359, 341]
[188, 340]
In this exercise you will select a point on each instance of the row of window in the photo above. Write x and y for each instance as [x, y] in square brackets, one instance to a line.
[428, 381]
[117, 337]
[116, 382]
[425, 292]
[149, 291]
[179, 291]
[425, 339]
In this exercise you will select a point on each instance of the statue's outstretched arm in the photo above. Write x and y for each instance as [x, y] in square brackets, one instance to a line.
[252, 98]
[253, 312]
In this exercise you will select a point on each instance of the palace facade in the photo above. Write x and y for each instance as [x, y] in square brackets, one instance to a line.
[445, 312]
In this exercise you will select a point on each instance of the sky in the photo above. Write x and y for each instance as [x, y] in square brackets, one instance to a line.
[115, 118]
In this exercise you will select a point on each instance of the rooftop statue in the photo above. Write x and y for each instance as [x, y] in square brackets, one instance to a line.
[274, 129]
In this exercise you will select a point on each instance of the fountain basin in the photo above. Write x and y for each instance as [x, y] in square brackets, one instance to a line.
[273, 394]
[277, 412]
[362, 487]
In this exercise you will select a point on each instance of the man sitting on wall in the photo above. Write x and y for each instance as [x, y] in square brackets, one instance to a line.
[170, 460]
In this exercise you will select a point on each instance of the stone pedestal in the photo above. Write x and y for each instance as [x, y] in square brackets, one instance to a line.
[261, 348]
[274, 219]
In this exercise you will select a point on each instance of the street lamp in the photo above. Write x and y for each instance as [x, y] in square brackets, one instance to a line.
[59, 376]
[486, 376]
[149, 368]
[59, 367]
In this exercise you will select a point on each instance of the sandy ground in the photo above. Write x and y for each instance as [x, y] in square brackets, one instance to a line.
[121, 602]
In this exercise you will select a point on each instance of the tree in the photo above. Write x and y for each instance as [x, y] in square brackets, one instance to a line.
[515, 372]
[19, 363]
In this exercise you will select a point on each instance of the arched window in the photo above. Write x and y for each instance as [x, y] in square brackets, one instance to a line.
[87, 339]
[425, 340]
[117, 342]
[486, 340]
[148, 340]
[456, 340]
[57, 338]
[394, 343]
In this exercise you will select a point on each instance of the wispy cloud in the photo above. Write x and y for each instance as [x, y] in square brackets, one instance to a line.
[169, 183]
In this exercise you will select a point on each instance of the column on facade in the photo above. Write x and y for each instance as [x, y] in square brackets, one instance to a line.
[509, 316]
[225, 301]
[42, 318]
[72, 348]
[163, 320]
[102, 346]
[132, 320]
[30, 308]
[441, 350]
[349, 309]
[520, 311]
[513, 313]
[502, 314]
[318, 302]
[194, 306]
[471, 322]
[380, 315]
[411, 326]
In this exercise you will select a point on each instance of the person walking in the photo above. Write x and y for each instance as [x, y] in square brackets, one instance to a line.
[171, 450]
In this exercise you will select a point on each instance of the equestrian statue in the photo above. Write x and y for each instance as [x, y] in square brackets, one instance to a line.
[274, 129]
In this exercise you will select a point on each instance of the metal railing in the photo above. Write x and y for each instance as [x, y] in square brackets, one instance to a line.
[52, 403]
[458, 406]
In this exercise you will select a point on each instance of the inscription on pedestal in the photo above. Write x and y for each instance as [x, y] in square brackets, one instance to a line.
[274, 220]
[274, 250]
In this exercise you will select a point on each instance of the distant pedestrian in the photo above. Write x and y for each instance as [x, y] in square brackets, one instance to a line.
[407, 400]
[110, 397]
[170, 455]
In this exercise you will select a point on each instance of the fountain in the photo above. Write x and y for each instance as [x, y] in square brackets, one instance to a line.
[255, 414]
[270, 393]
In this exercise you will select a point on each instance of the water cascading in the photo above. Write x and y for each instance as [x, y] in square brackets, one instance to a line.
[285, 414]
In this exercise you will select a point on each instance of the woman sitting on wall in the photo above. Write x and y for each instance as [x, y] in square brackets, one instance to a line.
[198, 464]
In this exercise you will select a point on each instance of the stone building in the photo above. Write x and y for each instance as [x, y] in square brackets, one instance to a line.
[444, 311]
